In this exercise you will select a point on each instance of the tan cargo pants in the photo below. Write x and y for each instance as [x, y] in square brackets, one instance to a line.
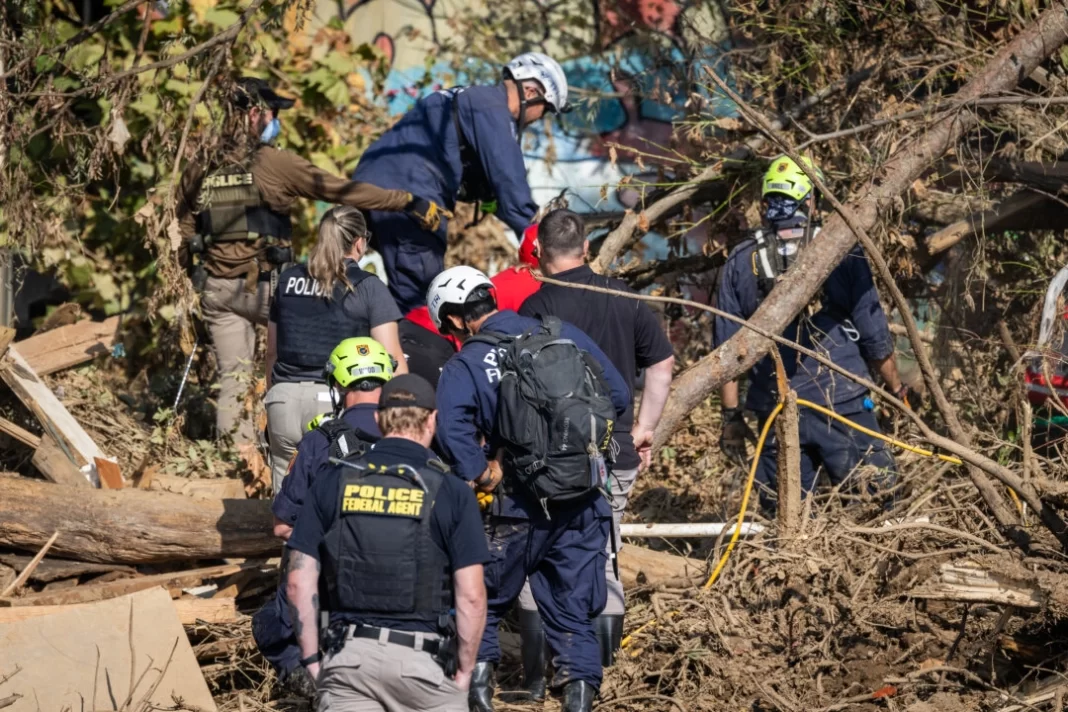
[231, 314]
[290, 407]
[376, 676]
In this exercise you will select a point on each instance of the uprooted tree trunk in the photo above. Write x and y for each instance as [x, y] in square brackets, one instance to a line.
[131, 527]
[1015, 60]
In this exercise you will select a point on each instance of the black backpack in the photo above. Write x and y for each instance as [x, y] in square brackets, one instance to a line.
[554, 415]
[345, 440]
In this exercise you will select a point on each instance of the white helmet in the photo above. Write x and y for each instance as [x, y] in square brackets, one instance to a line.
[453, 286]
[547, 71]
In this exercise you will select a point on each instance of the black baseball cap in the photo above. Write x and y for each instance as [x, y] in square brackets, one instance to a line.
[250, 91]
[407, 391]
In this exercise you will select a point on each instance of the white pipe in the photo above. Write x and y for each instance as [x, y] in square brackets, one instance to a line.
[691, 529]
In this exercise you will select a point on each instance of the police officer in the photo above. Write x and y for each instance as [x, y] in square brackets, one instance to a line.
[395, 544]
[631, 336]
[561, 550]
[356, 371]
[314, 305]
[846, 324]
[234, 218]
[459, 144]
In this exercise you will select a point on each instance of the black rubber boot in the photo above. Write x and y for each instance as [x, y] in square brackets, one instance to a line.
[532, 650]
[609, 635]
[578, 696]
[480, 695]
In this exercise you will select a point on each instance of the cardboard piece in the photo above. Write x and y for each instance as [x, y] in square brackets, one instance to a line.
[61, 669]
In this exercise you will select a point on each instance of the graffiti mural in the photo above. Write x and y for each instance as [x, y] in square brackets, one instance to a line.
[623, 60]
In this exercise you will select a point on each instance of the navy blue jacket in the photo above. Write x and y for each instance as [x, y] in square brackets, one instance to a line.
[850, 329]
[313, 453]
[421, 152]
[467, 395]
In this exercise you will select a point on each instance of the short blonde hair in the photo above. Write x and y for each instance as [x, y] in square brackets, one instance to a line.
[411, 419]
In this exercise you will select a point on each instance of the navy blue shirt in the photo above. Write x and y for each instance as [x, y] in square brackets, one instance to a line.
[313, 453]
[850, 329]
[455, 524]
[627, 331]
[421, 152]
[467, 399]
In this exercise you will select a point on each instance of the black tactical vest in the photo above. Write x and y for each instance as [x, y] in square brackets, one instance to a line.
[345, 440]
[380, 558]
[309, 326]
[474, 185]
[230, 208]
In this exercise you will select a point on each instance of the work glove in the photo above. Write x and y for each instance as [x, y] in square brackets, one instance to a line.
[909, 397]
[427, 212]
[735, 432]
[489, 479]
[485, 499]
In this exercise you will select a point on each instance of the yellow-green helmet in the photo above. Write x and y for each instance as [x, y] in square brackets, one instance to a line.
[786, 177]
[360, 362]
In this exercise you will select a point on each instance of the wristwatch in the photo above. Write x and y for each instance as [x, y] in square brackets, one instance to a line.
[312, 659]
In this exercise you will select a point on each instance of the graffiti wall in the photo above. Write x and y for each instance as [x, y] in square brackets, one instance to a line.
[623, 60]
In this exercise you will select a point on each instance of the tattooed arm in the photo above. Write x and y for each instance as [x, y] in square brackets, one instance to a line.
[302, 587]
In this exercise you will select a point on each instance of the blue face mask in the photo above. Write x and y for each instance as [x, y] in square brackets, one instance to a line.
[271, 131]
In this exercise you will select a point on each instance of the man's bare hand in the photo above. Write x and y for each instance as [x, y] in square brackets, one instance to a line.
[643, 443]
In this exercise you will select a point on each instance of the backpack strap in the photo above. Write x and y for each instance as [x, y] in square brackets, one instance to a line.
[552, 325]
[493, 338]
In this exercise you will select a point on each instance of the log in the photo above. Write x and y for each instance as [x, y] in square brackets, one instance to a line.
[640, 566]
[997, 218]
[102, 591]
[69, 345]
[789, 472]
[1002, 72]
[190, 611]
[684, 530]
[131, 526]
[969, 584]
[56, 569]
[204, 489]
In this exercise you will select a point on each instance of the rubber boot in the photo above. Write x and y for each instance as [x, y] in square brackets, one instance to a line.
[480, 694]
[609, 630]
[578, 696]
[532, 650]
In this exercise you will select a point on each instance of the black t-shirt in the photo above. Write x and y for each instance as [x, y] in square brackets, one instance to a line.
[455, 525]
[627, 331]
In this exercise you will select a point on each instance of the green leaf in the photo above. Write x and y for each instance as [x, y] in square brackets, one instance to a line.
[44, 63]
[86, 55]
[321, 77]
[339, 63]
[220, 18]
[321, 160]
[269, 47]
[147, 105]
[167, 28]
[338, 94]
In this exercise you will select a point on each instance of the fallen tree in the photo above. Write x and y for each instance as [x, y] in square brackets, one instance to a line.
[130, 526]
[1016, 59]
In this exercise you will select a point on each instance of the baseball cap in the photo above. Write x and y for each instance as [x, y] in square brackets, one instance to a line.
[526, 246]
[407, 391]
[253, 90]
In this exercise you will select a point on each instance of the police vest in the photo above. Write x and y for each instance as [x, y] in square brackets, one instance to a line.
[309, 325]
[230, 207]
[474, 185]
[380, 558]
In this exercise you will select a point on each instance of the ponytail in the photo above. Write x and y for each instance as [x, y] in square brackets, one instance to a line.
[339, 230]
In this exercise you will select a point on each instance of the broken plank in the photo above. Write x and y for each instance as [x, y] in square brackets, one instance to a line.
[968, 584]
[108, 472]
[55, 569]
[69, 345]
[15, 585]
[19, 433]
[56, 420]
[99, 592]
[190, 611]
[53, 463]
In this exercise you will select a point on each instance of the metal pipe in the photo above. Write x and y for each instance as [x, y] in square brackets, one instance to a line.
[689, 529]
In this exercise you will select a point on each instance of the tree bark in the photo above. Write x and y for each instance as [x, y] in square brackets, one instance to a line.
[131, 526]
[1015, 60]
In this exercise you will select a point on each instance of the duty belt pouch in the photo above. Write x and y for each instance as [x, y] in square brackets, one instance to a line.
[449, 648]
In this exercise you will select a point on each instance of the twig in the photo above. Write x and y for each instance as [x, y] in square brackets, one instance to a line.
[197, 98]
[933, 527]
[633, 698]
[9, 700]
[23, 577]
[14, 672]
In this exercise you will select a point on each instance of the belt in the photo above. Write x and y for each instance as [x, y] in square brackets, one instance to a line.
[408, 640]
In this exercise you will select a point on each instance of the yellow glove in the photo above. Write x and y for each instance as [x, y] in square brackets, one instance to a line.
[485, 499]
[427, 212]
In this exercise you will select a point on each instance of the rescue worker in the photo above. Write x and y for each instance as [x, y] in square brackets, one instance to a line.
[847, 325]
[561, 548]
[315, 304]
[459, 144]
[234, 220]
[357, 369]
[424, 346]
[631, 336]
[395, 543]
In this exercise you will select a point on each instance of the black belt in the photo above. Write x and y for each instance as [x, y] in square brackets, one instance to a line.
[396, 637]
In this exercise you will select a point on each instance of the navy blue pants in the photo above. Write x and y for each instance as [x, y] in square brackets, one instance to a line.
[837, 447]
[274, 636]
[413, 256]
[565, 560]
